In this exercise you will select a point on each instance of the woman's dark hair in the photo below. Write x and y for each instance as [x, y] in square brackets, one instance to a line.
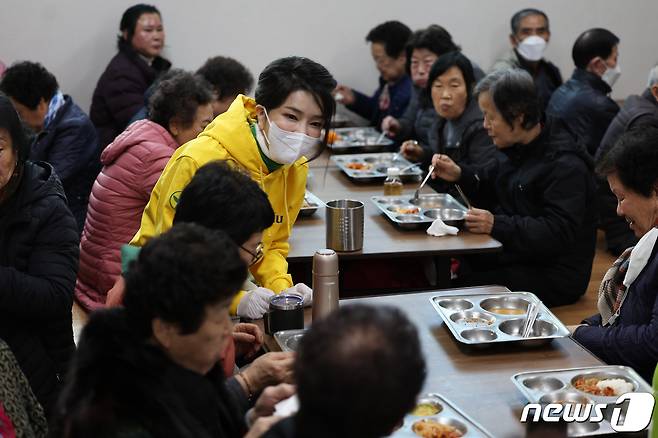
[29, 82]
[178, 274]
[634, 158]
[287, 75]
[10, 121]
[434, 38]
[392, 34]
[178, 98]
[358, 372]
[129, 21]
[593, 43]
[514, 94]
[445, 62]
[222, 198]
[227, 76]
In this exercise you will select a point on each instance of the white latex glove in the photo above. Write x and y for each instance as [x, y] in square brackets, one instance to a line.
[255, 303]
[303, 290]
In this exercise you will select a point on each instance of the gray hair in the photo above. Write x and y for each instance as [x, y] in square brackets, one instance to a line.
[513, 93]
[515, 22]
[653, 76]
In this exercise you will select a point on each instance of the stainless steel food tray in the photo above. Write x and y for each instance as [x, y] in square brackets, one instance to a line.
[288, 340]
[449, 415]
[429, 208]
[549, 386]
[359, 139]
[310, 205]
[375, 166]
[485, 319]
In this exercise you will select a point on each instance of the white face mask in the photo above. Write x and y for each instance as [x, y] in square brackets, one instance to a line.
[532, 48]
[286, 147]
[610, 75]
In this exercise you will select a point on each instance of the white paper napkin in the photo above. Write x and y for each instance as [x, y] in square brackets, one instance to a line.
[439, 228]
[287, 407]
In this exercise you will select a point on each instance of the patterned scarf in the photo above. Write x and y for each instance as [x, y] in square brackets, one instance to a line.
[617, 281]
[612, 290]
[55, 103]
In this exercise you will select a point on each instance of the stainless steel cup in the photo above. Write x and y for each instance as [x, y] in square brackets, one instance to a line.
[345, 225]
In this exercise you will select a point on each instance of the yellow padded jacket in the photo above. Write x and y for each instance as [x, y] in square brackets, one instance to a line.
[229, 137]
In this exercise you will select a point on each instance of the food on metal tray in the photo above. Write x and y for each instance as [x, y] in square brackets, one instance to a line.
[359, 166]
[605, 387]
[308, 204]
[433, 429]
[506, 311]
[477, 321]
[332, 137]
[425, 410]
[407, 210]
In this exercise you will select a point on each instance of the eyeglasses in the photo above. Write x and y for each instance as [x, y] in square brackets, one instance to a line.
[255, 256]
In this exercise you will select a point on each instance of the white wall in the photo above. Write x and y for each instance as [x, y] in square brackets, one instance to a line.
[75, 39]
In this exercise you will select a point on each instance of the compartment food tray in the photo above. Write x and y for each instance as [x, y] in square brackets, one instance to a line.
[551, 386]
[406, 212]
[372, 167]
[486, 319]
[448, 415]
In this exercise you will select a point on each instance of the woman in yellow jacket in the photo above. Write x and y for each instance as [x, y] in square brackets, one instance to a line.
[272, 138]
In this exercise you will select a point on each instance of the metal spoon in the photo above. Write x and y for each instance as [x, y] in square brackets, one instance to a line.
[408, 167]
[417, 193]
[461, 193]
[533, 311]
[380, 138]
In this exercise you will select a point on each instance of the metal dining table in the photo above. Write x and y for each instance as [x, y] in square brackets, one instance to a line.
[382, 239]
[476, 380]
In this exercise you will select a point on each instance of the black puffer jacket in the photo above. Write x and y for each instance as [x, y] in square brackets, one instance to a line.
[119, 93]
[38, 266]
[70, 144]
[637, 111]
[124, 386]
[544, 211]
[583, 105]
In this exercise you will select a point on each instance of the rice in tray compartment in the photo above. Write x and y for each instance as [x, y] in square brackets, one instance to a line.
[618, 386]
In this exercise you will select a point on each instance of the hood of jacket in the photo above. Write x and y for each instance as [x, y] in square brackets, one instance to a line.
[38, 181]
[140, 132]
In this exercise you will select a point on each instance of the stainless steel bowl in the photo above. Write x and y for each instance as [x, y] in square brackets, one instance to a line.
[455, 304]
[479, 335]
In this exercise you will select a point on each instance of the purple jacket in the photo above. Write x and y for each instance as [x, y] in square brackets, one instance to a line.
[119, 93]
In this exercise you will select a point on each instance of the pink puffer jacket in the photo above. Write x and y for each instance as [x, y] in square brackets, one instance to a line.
[132, 164]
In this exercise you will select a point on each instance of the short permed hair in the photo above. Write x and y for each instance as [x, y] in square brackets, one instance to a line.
[178, 274]
[28, 82]
[434, 38]
[227, 76]
[222, 198]
[634, 158]
[593, 43]
[178, 98]
[358, 372]
[392, 34]
[515, 22]
[514, 94]
[287, 75]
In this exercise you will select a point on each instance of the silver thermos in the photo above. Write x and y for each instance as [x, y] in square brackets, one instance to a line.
[325, 283]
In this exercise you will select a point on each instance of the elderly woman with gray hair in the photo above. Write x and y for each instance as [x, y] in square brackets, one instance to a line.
[625, 332]
[541, 195]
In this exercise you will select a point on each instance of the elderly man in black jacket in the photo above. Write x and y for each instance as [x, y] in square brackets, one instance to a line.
[65, 137]
[541, 191]
[582, 103]
[637, 111]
